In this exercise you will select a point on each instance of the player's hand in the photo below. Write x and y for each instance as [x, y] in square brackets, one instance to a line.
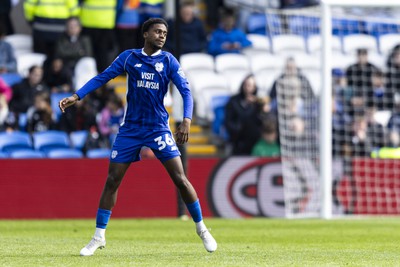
[182, 131]
[67, 102]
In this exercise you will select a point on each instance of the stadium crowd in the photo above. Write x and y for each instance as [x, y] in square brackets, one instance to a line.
[101, 30]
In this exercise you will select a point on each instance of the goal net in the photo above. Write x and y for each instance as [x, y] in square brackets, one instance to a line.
[339, 131]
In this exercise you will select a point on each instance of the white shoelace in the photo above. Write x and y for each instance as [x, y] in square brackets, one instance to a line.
[93, 243]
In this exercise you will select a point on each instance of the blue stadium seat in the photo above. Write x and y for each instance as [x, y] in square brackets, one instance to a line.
[304, 25]
[63, 153]
[78, 139]
[27, 154]
[3, 155]
[342, 27]
[266, 24]
[14, 141]
[380, 28]
[55, 99]
[256, 23]
[48, 140]
[22, 121]
[98, 153]
[11, 78]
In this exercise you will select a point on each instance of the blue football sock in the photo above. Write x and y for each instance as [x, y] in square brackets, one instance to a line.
[102, 218]
[195, 211]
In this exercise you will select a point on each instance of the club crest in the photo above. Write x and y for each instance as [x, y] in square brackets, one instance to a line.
[159, 66]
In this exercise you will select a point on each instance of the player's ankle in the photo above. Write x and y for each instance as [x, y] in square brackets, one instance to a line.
[200, 226]
[100, 233]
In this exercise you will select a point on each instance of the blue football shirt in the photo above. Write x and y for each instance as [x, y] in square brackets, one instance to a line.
[148, 79]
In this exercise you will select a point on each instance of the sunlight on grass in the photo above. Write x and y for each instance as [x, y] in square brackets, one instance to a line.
[171, 242]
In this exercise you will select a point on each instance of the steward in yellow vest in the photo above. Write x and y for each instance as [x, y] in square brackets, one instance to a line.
[48, 18]
[98, 19]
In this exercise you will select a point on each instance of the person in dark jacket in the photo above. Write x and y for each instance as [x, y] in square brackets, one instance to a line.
[242, 120]
[72, 45]
[192, 34]
[5, 11]
[25, 91]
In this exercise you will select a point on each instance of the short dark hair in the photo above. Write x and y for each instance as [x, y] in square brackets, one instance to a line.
[150, 22]
[378, 73]
[362, 51]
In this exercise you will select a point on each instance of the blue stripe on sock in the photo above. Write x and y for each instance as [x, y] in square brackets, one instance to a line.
[102, 218]
[195, 211]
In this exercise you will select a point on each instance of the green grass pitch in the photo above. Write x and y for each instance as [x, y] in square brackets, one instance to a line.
[172, 242]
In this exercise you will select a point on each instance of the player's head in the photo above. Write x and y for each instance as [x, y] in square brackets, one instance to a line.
[154, 32]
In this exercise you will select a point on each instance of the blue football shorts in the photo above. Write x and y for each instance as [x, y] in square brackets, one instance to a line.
[129, 141]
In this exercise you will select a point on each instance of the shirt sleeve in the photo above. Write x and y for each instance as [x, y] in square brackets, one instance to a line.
[178, 78]
[115, 69]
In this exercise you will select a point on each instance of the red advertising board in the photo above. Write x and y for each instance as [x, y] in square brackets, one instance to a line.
[377, 186]
[234, 187]
[70, 188]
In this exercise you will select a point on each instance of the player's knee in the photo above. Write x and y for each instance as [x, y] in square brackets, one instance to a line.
[182, 182]
[112, 183]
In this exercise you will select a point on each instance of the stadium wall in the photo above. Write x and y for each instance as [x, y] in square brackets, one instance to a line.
[235, 187]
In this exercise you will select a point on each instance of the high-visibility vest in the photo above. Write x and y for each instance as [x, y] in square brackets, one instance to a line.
[98, 14]
[50, 9]
[386, 153]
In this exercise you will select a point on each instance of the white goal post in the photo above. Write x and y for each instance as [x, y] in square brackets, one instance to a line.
[326, 96]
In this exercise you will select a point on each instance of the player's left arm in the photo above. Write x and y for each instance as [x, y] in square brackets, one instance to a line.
[178, 78]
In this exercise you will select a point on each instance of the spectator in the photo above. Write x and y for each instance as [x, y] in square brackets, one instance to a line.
[95, 140]
[111, 116]
[394, 124]
[192, 34]
[128, 24]
[58, 78]
[227, 38]
[5, 90]
[375, 131]
[242, 119]
[297, 132]
[72, 45]
[267, 145]
[24, 92]
[213, 10]
[359, 74]
[98, 22]
[5, 96]
[8, 63]
[290, 72]
[380, 96]
[81, 116]
[342, 96]
[360, 144]
[393, 73]
[40, 115]
[5, 10]
[48, 19]
[342, 92]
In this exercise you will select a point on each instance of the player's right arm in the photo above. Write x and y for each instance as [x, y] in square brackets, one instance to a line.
[115, 69]
[67, 102]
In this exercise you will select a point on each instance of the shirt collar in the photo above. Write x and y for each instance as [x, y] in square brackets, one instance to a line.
[155, 54]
